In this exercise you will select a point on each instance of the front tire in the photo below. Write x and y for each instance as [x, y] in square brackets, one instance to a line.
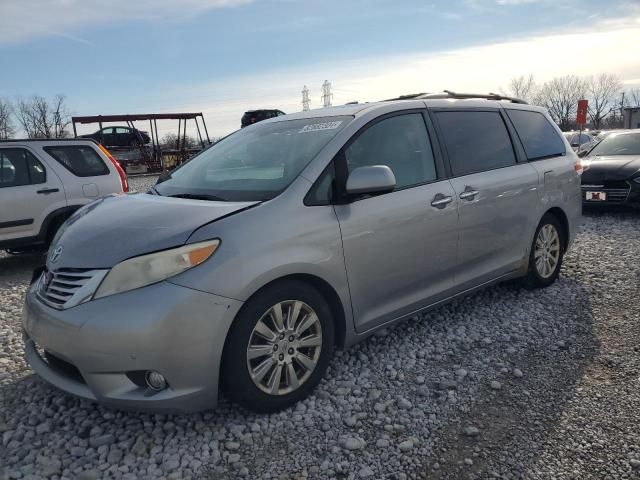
[547, 253]
[278, 348]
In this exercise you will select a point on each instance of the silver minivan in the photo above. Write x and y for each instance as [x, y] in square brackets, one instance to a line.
[243, 269]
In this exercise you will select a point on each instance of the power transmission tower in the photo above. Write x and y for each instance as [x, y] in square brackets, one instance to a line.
[326, 93]
[305, 99]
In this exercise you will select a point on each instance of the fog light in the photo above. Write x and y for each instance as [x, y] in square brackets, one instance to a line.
[155, 380]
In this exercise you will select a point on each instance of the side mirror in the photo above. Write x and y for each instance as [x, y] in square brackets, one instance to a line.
[371, 179]
[163, 177]
[583, 153]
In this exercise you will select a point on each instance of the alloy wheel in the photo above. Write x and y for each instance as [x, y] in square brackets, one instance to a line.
[547, 251]
[284, 347]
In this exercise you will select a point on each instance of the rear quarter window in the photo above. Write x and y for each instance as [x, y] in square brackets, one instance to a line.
[81, 160]
[476, 141]
[538, 137]
[19, 167]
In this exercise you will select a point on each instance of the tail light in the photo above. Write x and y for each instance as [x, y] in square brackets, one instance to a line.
[123, 176]
[579, 166]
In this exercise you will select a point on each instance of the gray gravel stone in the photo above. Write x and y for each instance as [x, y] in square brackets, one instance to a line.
[577, 341]
[471, 431]
[405, 446]
[352, 443]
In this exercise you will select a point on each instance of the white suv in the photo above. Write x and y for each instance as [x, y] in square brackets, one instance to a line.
[42, 182]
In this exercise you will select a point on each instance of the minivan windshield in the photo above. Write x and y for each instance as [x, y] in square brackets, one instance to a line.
[618, 144]
[253, 164]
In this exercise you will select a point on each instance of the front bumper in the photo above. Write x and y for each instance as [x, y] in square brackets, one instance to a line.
[623, 192]
[93, 348]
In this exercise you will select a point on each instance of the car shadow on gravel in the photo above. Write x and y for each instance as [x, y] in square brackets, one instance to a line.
[612, 213]
[18, 268]
[514, 419]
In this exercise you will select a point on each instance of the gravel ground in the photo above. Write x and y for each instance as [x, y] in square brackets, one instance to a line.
[507, 383]
[142, 183]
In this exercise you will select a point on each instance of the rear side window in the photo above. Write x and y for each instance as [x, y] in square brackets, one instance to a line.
[475, 141]
[539, 138]
[401, 143]
[81, 160]
[19, 167]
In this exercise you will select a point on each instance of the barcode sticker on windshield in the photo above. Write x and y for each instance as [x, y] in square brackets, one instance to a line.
[314, 127]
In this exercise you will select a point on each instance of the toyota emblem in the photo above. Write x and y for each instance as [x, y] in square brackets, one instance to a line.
[55, 255]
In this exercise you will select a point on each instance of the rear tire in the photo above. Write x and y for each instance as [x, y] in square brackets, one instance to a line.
[547, 253]
[278, 347]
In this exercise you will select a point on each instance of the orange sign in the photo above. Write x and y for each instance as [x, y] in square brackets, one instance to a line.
[581, 116]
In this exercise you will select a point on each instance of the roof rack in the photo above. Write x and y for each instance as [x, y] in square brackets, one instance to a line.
[409, 96]
[489, 96]
[68, 139]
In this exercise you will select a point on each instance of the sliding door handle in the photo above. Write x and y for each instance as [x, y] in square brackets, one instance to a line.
[469, 193]
[441, 201]
[46, 191]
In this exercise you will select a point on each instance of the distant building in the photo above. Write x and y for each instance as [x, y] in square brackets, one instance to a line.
[631, 117]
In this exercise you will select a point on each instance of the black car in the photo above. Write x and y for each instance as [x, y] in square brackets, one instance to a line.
[612, 175]
[255, 116]
[120, 137]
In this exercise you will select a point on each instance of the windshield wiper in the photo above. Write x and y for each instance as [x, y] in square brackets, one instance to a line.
[154, 191]
[199, 196]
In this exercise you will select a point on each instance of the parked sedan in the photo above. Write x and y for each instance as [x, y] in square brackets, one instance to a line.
[119, 137]
[612, 176]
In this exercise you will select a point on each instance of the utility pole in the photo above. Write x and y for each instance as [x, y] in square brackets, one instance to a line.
[326, 94]
[305, 99]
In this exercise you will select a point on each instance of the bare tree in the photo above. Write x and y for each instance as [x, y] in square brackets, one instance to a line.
[171, 141]
[634, 98]
[60, 118]
[7, 129]
[602, 91]
[40, 118]
[560, 97]
[523, 87]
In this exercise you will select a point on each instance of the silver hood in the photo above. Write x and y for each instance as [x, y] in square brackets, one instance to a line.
[115, 228]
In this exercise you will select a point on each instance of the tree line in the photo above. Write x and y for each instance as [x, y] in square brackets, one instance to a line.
[39, 117]
[560, 96]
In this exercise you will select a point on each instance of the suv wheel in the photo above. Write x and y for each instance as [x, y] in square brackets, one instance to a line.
[278, 348]
[547, 253]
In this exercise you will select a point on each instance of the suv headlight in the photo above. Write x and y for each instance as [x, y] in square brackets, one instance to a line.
[637, 179]
[152, 268]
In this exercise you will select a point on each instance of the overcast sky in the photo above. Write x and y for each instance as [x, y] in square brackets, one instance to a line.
[223, 57]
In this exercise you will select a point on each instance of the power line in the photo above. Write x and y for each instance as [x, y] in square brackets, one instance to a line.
[326, 93]
[305, 99]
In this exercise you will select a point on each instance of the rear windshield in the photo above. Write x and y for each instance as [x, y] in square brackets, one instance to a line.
[618, 144]
[255, 163]
[81, 160]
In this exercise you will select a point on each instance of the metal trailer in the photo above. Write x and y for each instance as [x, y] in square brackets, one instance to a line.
[152, 158]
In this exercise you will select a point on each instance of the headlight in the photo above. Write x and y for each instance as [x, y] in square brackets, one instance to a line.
[637, 179]
[147, 269]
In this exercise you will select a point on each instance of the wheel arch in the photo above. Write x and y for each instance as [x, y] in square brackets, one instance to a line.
[59, 215]
[559, 214]
[328, 293]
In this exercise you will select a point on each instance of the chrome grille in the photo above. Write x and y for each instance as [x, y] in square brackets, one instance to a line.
[617, 192]
[68, 287]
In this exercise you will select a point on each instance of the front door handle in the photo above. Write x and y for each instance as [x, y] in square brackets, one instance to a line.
[469, 193]
[441, 201]
[46, 191]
